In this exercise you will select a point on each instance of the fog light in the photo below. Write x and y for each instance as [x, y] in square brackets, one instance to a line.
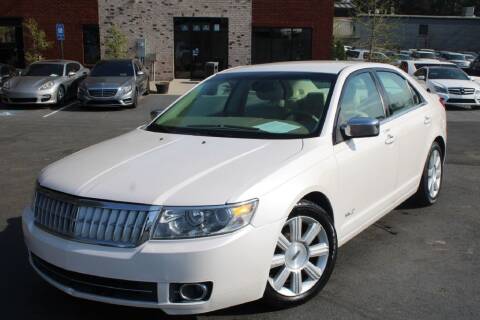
[190, 292]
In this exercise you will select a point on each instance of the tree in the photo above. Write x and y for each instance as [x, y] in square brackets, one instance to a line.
[116, 44]
[38, 41]
[372, 19]
[338, 50]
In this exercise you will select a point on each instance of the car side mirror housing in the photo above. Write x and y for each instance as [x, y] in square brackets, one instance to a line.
[420, 78]
[155, 113]
[140, 73]
[361, 127]
[72, 74]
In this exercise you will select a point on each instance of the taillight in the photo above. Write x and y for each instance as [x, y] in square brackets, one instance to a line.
[442, 101]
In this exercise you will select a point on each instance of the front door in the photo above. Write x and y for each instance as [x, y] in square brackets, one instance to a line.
[197, 41]
[368, 173]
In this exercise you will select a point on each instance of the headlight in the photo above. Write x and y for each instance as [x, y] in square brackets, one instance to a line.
[46, 85]
[6, 84]
[440, 89]
[191, 222]
[127, 88]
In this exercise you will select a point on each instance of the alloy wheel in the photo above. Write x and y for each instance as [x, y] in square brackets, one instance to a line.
[434, 173]
[300, 258]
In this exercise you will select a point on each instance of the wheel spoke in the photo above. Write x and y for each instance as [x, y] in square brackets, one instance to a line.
[311, 233]
[313, 271]
[296, 282]
[437, 163]
[318, 250]
[430, 172]
[278, 260]
[281, 278]
[296, 229]
[283, 243]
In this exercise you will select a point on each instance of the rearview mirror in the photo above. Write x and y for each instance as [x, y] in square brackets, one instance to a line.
[361, 127]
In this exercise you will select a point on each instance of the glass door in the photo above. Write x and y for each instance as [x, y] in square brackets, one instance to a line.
[11, 42]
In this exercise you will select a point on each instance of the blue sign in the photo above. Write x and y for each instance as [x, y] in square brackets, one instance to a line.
[60, 32]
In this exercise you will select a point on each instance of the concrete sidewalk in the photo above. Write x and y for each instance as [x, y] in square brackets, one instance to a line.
[177, 86]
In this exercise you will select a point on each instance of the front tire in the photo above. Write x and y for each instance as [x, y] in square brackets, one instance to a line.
[432, 177]
[61, 96]
[304, 257]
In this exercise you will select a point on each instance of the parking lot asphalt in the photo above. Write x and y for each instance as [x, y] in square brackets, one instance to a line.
[415, 263]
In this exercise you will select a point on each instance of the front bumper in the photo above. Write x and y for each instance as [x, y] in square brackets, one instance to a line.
[236, 264]
[120, 99]
[461, 100]
[34, 97]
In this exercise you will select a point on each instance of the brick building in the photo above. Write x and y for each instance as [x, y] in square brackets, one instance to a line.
[177, 37]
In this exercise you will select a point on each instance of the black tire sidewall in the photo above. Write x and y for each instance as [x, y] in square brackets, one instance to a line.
[426, 197]
[307, 208]
[61, 101]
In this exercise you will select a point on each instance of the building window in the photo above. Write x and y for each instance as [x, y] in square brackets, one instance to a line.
[91, 44]
[281, 44]
[423, 29]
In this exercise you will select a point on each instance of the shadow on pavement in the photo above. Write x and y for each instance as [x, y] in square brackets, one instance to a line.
[25, 295]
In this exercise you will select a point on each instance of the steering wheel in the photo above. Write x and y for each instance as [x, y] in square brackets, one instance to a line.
[302, 113]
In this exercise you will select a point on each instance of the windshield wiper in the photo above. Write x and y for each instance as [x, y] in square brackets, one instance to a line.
[224, 127]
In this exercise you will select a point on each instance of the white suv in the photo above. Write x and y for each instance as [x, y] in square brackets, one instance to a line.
[243, 188]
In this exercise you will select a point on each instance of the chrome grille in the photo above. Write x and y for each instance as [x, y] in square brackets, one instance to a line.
[92, 221]
[102, 92]
[461, 91]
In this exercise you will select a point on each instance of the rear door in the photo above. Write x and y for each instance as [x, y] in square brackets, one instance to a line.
[367, 166]
[411, 116]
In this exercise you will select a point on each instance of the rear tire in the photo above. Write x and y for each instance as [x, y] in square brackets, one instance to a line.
[432, 178]
[304, 259]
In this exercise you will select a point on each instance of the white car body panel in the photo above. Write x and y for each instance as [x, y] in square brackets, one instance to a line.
[363, 179]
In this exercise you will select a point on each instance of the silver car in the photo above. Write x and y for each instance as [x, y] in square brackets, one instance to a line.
[44, 82]
[114, 83]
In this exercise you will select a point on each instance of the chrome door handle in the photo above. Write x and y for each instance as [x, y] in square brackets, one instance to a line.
[427, 120]
[390, 139]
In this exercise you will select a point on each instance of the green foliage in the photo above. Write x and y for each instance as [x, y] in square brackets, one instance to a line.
[116, 44]
[435, 7]
[338, 50]
[38, 41]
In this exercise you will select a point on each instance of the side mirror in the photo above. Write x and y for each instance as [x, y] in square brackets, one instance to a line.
[140, 73]
[361, 127]
[155, 113]
[422, 78]
[71, 74]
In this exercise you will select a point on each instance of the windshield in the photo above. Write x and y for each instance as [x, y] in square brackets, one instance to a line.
[426, 55]
[454, 56]
[45, 70]
[112, 69]
[447, 73]
[252, 105]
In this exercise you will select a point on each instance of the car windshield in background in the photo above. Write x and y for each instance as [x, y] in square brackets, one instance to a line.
[426, 55]
[422, 65]
[455, 57]
[252, 105]
[45, 70]
[113, 69]
[447, 73]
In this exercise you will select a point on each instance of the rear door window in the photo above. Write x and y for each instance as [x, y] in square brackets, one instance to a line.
[398, 91]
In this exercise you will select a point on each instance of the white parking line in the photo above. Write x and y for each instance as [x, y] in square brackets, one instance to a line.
[62, 108]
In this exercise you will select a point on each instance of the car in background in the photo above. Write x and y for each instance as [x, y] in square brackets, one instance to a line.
[424, 55]
[410, 66]
[45, 82]
[475, 67]
[398, 58]
[457, 58]
[6, 72]
[114, 83]
[243, 188]
[453, 85]
[364, 55]
[470, 57]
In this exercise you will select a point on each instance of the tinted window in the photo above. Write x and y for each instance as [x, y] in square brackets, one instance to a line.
[398, 91]
[113, 69]
[352, 54]
[360, 98]
[257, 105]
[72, 67]
[45, 70]
[447, 73]
[3, 71]
[421, 72]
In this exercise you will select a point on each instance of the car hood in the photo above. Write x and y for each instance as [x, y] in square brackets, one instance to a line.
[106, 82]
[168, 169]
[24, 83]
[452, 83]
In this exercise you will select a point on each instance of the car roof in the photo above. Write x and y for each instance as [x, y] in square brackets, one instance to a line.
[331, 67]
[58, 61]
[430, 61]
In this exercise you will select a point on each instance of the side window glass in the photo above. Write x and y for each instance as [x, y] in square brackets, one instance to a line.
[72, 67]
[420, 72]
[135, 65]
[404, 66]
[76, 67]
[398, 91]
[360, 99]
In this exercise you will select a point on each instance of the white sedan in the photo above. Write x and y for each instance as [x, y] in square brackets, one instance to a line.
[243, 188]
[453, 85]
